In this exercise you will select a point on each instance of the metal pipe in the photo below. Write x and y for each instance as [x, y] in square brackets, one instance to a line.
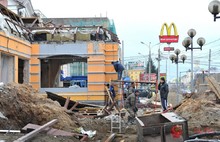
[177, 81]
[192, 88]
[158, 74]
[209, 60]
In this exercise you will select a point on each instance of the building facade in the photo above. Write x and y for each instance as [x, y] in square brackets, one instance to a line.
[38, 51]
[134, 74]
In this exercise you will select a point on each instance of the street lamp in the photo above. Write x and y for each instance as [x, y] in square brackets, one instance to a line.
[214, 8]
[189, 41]
[149, 60]
[175, 59]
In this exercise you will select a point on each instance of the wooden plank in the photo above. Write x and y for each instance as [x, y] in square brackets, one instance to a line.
[55, 132]
[74, 106]
[36, 131]
[62, 101]
[10, 131]
[213, 84]
[67, 102]
[112, 101]
[111, 137]
[109, 95]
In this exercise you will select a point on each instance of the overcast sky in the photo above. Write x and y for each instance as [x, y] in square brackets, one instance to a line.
[141, 20]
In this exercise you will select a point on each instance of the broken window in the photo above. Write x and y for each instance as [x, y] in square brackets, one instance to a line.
[23, 71]
[74, 74]
[64, 72]
[7, 68]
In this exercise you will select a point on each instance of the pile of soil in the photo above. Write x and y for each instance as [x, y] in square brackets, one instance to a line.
[21, 104]
[202, 113]
[101, 126]
[103, 129]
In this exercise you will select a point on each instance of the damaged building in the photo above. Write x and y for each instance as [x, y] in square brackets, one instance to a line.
[68, 56]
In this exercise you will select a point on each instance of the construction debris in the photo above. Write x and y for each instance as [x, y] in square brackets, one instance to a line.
[36, 131]
[89, 133]
[111, 137]
[21, 105]
[213, 84]
[55, 132]
[202, 110]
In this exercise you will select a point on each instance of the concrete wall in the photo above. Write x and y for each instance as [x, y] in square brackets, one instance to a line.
[100, 71]
[12, 49]
[7, 68]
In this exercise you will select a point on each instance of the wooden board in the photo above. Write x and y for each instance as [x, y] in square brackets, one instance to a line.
[36, 131]
[71, 103]
[213, 84]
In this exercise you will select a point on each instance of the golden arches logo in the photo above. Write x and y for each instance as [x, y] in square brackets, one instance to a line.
[168, 38]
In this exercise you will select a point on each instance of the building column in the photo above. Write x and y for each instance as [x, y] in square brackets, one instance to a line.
[16, 69]
[0, 66]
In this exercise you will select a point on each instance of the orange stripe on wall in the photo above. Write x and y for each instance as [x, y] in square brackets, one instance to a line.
[34, 78]
[34, 60]
[34, 69]
[35, 49]
[35, 86]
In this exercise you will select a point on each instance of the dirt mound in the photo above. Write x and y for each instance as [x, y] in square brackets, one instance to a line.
[21, 105]
[202, 114]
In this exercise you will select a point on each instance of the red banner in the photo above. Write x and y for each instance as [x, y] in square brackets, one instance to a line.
[144, 77]
[168, 48]
[168, 38]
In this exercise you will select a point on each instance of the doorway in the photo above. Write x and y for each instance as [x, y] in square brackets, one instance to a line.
[21, 71]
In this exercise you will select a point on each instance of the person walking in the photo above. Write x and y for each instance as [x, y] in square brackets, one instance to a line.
[164, 91]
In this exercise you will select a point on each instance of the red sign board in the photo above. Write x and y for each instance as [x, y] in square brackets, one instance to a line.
[169, 39]
[168, 48]
[145, 77]
[163, 75]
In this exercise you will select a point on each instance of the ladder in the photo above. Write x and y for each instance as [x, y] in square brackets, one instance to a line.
[116, 122]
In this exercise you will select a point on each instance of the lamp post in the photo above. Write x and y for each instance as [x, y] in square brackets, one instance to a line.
[175, 59]
[186, 43]
[149, 60]
[214, 8]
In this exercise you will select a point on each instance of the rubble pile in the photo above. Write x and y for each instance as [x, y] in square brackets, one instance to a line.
[202, 112]
[20, 105]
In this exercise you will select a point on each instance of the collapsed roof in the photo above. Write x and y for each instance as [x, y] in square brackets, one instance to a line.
[35, 29]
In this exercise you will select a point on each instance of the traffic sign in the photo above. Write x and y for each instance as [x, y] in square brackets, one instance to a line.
[168, 48]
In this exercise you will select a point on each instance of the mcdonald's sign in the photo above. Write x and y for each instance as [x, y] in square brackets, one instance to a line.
[168, 38]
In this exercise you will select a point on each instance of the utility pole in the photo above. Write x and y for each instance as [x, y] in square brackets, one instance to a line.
[177, 81]
[149, 60]
[122, 53]
[159, 59]
[209, 61]
[149, 78]
[191, 76]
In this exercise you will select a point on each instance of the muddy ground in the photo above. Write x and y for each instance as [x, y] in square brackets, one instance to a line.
[20, 105]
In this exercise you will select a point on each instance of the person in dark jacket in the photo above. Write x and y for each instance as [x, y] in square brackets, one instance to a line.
[131, 107]
[111, 91]
[119, 68]
[164, 91]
